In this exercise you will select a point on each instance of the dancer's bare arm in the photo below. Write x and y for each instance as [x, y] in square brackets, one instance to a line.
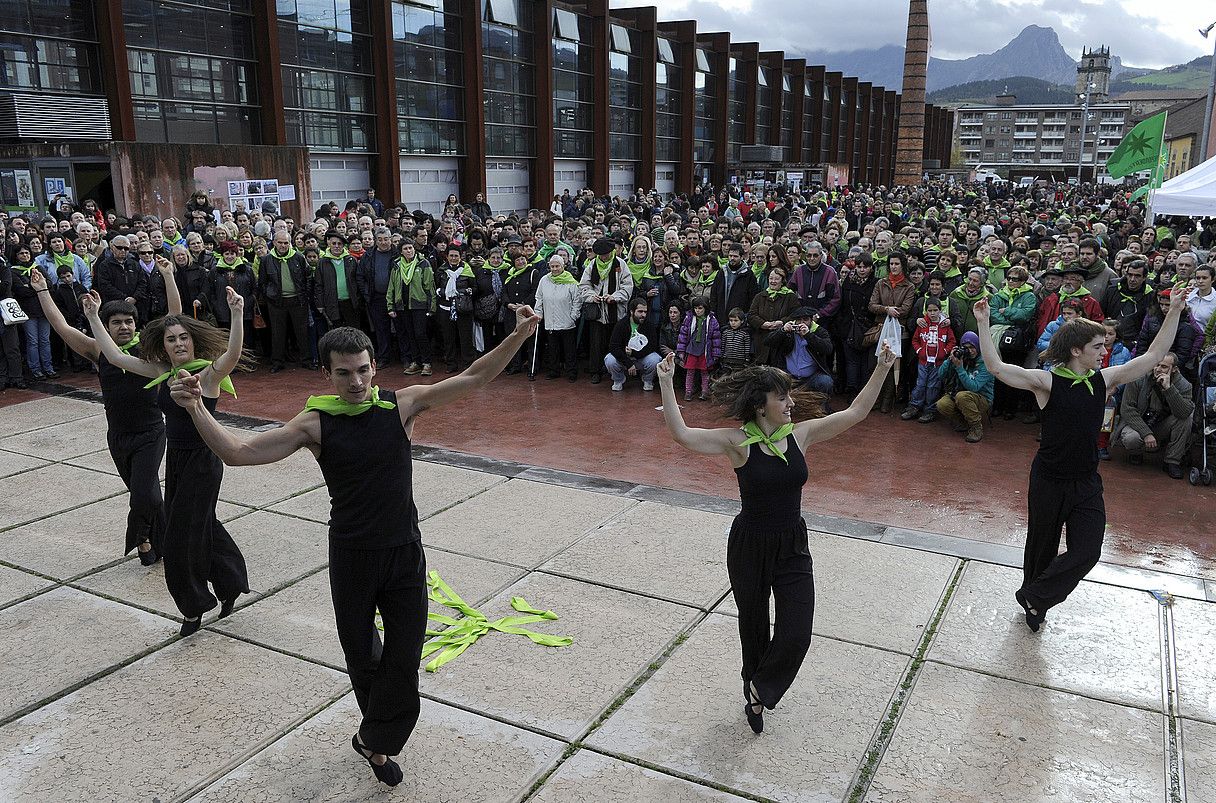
[1139, 366]
[418, 398]
[301, 432]
[1036, 381]
[172, 296]
[213, 374]
[75, 339]
[703, 441]
[817, 430]
[91, 302]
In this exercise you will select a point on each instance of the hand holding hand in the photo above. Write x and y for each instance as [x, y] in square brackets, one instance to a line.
[186, 389]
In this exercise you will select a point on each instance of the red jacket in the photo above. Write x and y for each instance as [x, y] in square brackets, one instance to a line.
[1049, 310]
[933, 340]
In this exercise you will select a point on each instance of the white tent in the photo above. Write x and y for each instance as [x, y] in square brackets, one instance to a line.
[1192, 193]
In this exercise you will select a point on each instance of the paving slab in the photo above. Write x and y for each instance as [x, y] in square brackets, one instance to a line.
[300, 618]
[971, 737]
[207, 701]
[521, 522]
[588, 777]
[1194, 647]
[44, 412]
[12, 463]
[102, 461]
[454, 755]
[262, 486]
[872, 593]
[436, 487]
[15, 584]
[88, 634]
[60, 441]
[1102, 642]
[276, 549]
[1199, 747]
[688, 717]
[669, 552]
[559, 690]
[50, 489]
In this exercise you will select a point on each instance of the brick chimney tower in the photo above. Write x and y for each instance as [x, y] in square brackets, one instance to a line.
[910, 145]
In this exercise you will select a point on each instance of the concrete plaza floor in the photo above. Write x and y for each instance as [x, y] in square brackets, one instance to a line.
[922, 684]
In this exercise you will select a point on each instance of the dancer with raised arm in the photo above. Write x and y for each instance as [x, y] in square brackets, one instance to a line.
[135, 430]
[767, 554]
[1065, 487]
[362, 442]
[197, 548]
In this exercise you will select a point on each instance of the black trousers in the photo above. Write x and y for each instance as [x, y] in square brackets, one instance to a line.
[283, 314]
[561, 343]
[137, 457]
[382, 326]
[1054, 504]
[522, 359]
[765, 561]
[383, 673]
[413, 341]
[457, 339]
[198, 549]
[598, 333]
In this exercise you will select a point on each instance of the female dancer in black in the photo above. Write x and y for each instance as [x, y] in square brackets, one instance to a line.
[197, 548]
[767, 553]
[1065, 487]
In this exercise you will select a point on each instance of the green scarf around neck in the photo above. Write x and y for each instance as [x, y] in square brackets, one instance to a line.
[756, 435]
[514, 272]
[66, 259]
[327, 255]
[1077, 379]
[130, 344]
[639, 270]
[1080, 291]
[336, 405]
[407, 270]
[283, 257]
[563, 278]
[780, 291]
[192, 366]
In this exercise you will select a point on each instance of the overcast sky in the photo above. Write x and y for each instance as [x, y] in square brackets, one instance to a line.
[1145, 34]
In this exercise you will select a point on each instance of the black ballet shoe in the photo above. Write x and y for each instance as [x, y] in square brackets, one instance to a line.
[227, 605]
[387, 773]
[190, 627]
[1033, 620]
[754, 718]
[149, 557]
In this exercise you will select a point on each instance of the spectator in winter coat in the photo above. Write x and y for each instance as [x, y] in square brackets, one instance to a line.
[1070, 310]
[117, 274]
[559, 304]
[735, 284]
[817, 284]
[804, 349]
[967, 389]
[932, 342]
[1156, 413]
[962, 302]
[1128, 299]
[1072, 287]
[519, 287]
[736, 341]
[633, 348]
[893, 297]
[58, 254]
[1186, 343]
[231, 270]
[411, 302]
[1098, 277]
[699, 347]
[769, 311]
[606, 283]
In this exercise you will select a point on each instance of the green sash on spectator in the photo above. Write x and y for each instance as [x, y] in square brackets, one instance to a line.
[191, 367]
[336, 405]
[781, 291]
[756, 435]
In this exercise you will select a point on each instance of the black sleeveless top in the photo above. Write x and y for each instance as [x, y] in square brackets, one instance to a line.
[1071, 420]
[180, 431]
[366, 462]
[129, 407]
[771, 489]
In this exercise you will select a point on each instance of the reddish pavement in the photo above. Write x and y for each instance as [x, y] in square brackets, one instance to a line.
[886, 471]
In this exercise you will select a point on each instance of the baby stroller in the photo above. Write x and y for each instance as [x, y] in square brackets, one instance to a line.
[1207, 419]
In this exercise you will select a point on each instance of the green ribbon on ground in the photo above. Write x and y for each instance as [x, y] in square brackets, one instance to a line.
[336, 405]
[461, 633]
[1077, 379]
[192, 366]
[756, 435]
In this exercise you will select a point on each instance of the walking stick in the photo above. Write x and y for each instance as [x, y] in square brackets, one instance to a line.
[535, 344]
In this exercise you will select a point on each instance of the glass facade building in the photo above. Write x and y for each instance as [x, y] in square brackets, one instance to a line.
[573, 85]
[49, 46]
[509, 73]
[705, 115]
[624, 94]
[669, 101]
[764, 104]
[429, 69]
[736, 108]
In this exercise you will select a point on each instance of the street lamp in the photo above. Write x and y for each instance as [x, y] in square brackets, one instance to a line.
[1084, 120]
[1207, 116]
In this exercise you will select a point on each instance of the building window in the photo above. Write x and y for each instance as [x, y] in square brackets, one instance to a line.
[573, 86]
[624, 95]
[705, 100]
[736, 109]
[192, 71]
[509, 65]
[49, 46]
[669, 104]
[430, 79]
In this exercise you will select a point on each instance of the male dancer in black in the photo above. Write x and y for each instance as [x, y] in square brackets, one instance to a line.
[1065, 487]
[362, 443]
[767, 554]
[136, 433]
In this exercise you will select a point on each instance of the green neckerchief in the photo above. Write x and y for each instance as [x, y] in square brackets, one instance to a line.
[604, 269]
[336, 405]
[465, 269]
[639, 270]
[406, 269]
[327, 255]
[283, 257]
[461, 632]
[563, 278]
[1080, 291]
[758, 269]
[708, 280]
[223, 265]
[756, 435]
[780, 291]
[547, 250]
[1077, 379]
[66, 259]
[1011, 293]
[512, 273]
[501, 266]
[24, 270]
[192, 366]
[633, 327]
[132, 343]
[650, 274]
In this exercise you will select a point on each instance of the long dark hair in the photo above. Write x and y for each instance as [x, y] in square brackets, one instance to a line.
[210, 342]
[745, 391]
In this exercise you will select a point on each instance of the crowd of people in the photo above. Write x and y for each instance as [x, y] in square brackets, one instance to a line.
[800, 278]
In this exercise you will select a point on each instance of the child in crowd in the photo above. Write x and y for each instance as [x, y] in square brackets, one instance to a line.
[736, 342]
[1116, 354]
[699, 347]
[932, 342]
[66, 294]
[1071, 308]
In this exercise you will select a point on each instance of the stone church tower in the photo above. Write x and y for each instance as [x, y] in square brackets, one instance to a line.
[1094, 69]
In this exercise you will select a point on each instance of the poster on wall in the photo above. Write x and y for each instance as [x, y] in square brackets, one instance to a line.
[54, 187]
[254, 194]
[236, 189]
[25, 188]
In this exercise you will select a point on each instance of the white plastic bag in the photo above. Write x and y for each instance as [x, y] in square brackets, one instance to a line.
[893, 335]
[11, 312]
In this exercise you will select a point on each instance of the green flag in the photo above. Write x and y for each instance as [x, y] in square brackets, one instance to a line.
[1140, 148]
